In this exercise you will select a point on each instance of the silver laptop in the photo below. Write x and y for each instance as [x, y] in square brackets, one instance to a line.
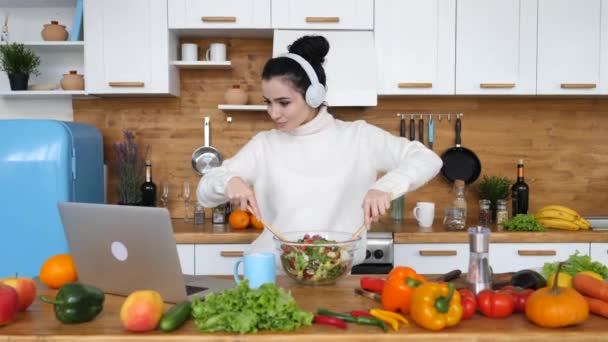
[121, 249]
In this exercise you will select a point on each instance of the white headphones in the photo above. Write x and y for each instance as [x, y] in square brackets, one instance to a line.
[315, 94]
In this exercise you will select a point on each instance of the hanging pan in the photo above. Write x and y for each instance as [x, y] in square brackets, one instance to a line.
[460, 162]
[205, 157]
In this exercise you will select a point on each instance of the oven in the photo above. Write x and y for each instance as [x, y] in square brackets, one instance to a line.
[379, 256]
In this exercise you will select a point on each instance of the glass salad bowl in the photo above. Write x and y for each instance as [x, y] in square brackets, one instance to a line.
[317, 257]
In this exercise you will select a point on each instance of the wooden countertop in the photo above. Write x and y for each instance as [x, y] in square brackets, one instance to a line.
[406, 231]
[39, 324]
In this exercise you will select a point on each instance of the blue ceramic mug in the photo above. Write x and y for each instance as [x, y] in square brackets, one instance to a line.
[259, 268]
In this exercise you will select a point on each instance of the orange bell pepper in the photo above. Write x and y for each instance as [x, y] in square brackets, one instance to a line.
[399, 288]
[436, 306]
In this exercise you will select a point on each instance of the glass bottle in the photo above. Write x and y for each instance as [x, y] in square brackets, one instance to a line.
[219, 214]
[459, 198]
[502, 215]
[485, 216]
[199, 214]
[148, 188]
[397, 208]
[520, 192]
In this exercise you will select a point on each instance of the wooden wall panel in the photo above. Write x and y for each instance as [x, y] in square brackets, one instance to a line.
[563, 140]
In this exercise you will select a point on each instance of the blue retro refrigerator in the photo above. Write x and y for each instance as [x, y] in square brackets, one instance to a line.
[43, 162]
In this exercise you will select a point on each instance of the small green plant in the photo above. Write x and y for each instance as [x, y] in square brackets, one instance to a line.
[494, 188]
[17, 59]
[130, 168]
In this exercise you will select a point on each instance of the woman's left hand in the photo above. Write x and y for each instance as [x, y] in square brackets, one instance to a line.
[375, 204]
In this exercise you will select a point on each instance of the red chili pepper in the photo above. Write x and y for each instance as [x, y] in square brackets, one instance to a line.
[372, 284]
[336, 322]
[520, 296]
[495, 304]
[358, 313]
[468, 302]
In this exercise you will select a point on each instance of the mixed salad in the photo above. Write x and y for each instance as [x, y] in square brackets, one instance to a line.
[315, 264]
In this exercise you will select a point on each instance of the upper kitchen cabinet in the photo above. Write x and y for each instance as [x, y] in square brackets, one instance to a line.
[225, 14]
[572, 47]
[415, 46]
[323, 14]
[127, 49]
[496, 47]
[350, 65]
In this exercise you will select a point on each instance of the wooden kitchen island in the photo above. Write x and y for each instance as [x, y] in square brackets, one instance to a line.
[39, 324]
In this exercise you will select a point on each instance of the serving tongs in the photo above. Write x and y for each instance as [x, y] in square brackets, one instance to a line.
[267, 226]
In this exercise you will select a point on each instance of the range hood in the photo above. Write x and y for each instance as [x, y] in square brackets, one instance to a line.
[350, 65]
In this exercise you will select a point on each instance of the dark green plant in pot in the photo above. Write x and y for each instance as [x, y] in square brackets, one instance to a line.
[18, 62]
[494, 188]
[130, 169]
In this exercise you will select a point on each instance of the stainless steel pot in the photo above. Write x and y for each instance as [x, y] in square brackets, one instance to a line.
[205, 157]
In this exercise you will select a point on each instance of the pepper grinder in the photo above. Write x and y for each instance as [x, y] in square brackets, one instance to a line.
[479, 274]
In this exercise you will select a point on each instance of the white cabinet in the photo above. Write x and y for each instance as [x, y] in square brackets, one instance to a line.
[415, 46]
[599, 252]
[572, 47]
[225, 14]
[127, 50]
[432, 258]
[496, 47]
[323, 14]
[185, 252]
[349, 65]
[217, 259]
[510, 257]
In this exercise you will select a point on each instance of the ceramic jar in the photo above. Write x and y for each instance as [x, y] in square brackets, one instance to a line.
[54, 32]
[72, 81]
[236, 96]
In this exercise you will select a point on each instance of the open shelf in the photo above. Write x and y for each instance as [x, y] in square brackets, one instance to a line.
[202, 65]
[54, 46]
[42, 93]
[37, 3]
[243, 107]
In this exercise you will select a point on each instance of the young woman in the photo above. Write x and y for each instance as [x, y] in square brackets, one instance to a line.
[314, 172]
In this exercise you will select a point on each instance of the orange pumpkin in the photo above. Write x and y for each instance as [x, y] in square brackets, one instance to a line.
[554, 307]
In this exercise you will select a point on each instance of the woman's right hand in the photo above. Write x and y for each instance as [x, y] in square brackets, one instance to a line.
[240, 193]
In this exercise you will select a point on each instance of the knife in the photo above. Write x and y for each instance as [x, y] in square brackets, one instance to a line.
[431, 131]
[412, 128]
[402, 126]
[421, 129]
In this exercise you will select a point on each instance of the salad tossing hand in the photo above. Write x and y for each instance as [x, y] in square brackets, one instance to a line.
[375, 204]
[240, 194]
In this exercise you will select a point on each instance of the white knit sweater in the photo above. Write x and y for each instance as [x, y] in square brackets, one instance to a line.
[315, 177]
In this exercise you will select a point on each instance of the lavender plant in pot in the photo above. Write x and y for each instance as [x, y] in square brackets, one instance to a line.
[130, 169]
[19, 63]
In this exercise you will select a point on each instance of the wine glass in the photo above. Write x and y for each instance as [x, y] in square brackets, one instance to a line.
[164, 195]
[186, 199]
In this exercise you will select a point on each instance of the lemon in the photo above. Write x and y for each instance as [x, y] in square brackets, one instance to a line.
[592, 274]
[563, 280]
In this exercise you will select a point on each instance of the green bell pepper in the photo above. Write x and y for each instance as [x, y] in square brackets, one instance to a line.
[76, 302]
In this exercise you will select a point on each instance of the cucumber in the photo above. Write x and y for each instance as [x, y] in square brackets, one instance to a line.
[175, 317]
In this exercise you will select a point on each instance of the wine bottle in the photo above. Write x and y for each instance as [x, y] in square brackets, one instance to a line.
[520, 192]
[148, 188]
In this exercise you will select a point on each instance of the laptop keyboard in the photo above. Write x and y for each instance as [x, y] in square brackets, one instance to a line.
[194, 289]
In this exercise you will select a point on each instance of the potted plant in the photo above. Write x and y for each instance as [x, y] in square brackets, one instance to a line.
[18, 62]
[130, 169]
[494, 188]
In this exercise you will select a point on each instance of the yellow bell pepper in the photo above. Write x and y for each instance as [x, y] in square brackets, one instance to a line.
[436, 306]
[384, 318]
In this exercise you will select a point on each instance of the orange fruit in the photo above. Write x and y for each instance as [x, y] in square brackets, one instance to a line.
[239, 219]
[58, 270]
[256, 223]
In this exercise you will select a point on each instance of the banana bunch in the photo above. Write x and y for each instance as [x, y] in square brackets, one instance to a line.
[560, 217]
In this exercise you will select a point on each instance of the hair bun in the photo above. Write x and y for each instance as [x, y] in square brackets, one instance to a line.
[312, 48]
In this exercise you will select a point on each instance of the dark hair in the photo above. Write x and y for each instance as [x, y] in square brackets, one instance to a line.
[311, 48]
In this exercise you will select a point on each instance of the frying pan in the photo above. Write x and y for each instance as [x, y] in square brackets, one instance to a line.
[205, 157]
[460, 162]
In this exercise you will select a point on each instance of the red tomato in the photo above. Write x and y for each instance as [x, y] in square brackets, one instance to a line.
[372, 284]
[520, 296]
[468, 302]
[495, 304]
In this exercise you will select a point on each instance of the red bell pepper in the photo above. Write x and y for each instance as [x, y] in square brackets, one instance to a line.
[336, 322]
[468, 302]
[520, 296]
[495, 304]
[372, 284]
